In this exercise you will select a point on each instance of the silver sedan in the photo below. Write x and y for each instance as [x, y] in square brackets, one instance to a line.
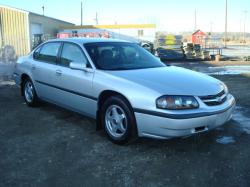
[126, 89]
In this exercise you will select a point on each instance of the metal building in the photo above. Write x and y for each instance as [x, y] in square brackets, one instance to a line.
[23, 30]
[130, 32]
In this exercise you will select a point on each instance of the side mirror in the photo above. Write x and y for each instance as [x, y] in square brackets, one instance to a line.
[77, 65]
[80, 66]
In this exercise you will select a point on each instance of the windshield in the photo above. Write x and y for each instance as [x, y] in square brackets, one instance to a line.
[121, 56]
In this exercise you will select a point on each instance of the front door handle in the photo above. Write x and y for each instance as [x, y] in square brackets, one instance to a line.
[58, 72]
[33, 67]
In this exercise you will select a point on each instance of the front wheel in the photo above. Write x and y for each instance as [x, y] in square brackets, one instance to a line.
[29, 93]
[118, 120]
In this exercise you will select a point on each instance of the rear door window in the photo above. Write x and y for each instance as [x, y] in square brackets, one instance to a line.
[49, 52]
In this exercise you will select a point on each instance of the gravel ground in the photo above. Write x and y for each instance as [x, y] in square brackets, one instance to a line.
[49, 146]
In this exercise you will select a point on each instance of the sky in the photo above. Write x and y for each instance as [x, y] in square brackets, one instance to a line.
[169, 15]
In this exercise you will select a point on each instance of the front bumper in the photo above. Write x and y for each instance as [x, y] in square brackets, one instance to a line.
[160, 127]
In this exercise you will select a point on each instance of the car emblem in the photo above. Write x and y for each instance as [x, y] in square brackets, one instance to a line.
[219, 99]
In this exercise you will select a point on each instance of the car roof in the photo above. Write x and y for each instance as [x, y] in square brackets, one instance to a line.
[88, 40]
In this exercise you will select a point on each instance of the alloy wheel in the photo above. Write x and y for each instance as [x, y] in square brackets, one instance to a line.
[116, 121]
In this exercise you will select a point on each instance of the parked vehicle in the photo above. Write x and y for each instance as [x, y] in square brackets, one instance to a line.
[124, 87]
[149, 46]
[168, 46]
[169, 54]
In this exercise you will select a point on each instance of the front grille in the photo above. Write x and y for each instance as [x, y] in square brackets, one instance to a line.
[213, 100]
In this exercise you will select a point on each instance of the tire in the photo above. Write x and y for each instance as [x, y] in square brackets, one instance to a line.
[118, 120]
[29, 93]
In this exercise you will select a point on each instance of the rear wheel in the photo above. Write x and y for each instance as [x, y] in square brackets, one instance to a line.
[29, 93]
[118, 120]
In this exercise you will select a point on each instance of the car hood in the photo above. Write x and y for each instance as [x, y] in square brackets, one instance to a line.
[172, 80]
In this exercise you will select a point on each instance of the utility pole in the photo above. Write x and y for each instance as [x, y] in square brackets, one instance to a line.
[43, 10]
[240, 29]
[195, 21]
[211, 27]
[225, 39]
[81, 13]
[96, 18]
[244, 27]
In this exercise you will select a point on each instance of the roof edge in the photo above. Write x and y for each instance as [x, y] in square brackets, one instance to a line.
[52, 18]
[29, 12]
[13, 8]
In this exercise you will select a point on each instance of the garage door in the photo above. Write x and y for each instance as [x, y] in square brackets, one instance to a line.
[36, 28]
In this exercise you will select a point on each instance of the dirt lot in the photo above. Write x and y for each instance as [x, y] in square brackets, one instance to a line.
[49, 146]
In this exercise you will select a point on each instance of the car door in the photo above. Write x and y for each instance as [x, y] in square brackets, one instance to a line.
[44, 70]
[75, 86]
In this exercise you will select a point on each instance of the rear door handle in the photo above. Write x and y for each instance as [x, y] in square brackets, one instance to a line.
[58, 72]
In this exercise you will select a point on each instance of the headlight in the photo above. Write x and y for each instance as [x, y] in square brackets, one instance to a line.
[172, 102]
